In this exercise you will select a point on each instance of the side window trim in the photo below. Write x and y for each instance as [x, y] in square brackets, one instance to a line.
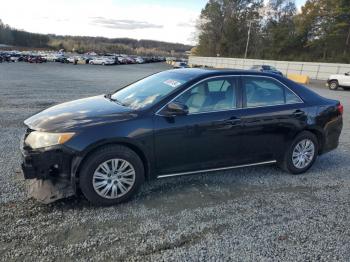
[240, 92]
[244, 97]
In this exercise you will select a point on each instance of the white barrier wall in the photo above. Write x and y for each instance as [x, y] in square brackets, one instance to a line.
[320, 71]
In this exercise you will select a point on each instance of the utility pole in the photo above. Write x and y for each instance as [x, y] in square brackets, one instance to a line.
[248, 38]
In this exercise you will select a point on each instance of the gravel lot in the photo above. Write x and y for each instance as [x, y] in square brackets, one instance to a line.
[246, 214]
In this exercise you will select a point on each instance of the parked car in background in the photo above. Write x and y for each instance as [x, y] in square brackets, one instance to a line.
[177, 122]
[130, 60]
[139, 60]
[122, 60]
[180, 65]
[72, 59]
[266, 69]
[339, 80]
[36, 59]
[62, 59]
[102, 61]
[14, 58]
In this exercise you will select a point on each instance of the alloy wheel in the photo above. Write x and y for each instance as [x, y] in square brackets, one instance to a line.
[303, 153]
[113, 178]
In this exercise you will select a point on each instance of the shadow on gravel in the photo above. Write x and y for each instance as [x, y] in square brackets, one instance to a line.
[210, 189]
[200, 190]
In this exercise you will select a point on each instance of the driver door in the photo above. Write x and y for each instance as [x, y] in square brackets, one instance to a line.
[205, 138]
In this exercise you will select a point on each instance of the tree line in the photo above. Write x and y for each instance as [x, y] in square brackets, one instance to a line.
[320, 31]
[82, 44]
[11, 36]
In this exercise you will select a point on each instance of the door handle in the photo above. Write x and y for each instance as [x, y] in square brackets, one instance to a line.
[233, 121]
[298, 113]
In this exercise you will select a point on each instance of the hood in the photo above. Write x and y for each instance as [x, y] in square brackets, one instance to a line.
[80, 113]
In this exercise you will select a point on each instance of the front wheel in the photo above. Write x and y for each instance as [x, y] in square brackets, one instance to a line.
[111, 175]
[301, 154]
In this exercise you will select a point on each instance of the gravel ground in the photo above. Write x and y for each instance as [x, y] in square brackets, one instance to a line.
[250, 214]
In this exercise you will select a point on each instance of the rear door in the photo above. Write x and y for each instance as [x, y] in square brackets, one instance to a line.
[271, 116]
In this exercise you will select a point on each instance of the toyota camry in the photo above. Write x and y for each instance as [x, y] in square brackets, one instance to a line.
[174, 123]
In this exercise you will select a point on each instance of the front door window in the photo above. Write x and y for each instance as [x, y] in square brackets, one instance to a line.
[209, 96]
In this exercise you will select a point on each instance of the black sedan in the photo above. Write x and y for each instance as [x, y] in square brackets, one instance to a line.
[174, 123]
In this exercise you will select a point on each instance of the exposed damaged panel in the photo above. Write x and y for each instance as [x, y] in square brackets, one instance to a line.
[48, 191]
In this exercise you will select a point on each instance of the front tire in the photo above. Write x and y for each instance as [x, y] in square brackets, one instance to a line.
[111, 175]
[333, 85]
[301, 154]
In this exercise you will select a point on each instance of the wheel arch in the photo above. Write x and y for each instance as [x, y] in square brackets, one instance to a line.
[78, 161]
[319, 135]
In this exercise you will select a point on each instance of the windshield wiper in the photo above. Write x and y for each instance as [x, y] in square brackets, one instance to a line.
[109, 97]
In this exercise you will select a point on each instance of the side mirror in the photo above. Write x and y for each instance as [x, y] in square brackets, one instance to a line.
[175, 109]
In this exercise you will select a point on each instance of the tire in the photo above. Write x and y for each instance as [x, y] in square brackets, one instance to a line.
[288, 165]
[103, 64]
[333, 85]
[98, 187]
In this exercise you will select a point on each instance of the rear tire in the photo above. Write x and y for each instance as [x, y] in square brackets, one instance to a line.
[333, 85]
[111, 175]
[301, 154]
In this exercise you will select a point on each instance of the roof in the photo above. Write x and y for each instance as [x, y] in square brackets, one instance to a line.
[204, 72]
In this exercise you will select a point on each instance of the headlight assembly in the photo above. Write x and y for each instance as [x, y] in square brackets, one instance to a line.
[39, 139]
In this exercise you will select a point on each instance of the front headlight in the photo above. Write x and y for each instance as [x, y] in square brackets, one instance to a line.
[39, 139]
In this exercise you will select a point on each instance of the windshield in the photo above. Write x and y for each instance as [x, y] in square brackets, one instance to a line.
[150, 90]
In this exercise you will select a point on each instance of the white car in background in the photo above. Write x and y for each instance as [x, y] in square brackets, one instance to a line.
[139, 60]
[72, 59]
[339, 80]
[102, 61]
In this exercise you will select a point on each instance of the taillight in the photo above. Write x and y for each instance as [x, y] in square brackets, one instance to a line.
[340, 108]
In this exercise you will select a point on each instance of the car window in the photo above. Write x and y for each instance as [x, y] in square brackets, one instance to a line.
[262, 91]
[210, 95]
[218, 85]
[291, 97]
[150, 90]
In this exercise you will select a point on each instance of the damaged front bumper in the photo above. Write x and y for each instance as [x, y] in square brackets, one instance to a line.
[48, 171]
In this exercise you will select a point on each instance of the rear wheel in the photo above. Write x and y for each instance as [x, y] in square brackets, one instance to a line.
[333, 85]
[301, 154]
[111, 175]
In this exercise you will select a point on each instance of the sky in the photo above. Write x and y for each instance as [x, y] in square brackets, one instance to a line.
[163, 20]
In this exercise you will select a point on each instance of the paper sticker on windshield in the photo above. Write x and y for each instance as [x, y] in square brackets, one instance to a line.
[172, 83]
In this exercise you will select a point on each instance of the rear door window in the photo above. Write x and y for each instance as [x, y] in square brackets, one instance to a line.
[263, 91]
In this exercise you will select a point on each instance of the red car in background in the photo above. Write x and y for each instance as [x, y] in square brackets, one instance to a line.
[36, 59]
